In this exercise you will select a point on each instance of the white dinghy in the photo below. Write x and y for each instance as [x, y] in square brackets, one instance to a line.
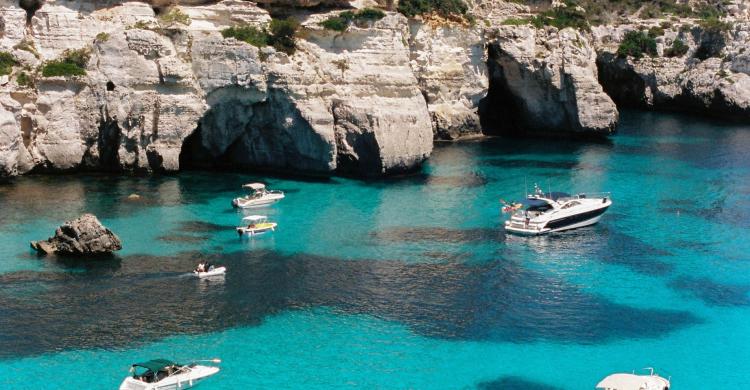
[213, 271]
[633, 381]
[162, 374]
[259, 197]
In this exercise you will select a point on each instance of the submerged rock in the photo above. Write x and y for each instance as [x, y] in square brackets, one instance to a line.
[84, 235]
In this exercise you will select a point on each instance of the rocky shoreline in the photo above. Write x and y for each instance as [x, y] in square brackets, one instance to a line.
[162, 89]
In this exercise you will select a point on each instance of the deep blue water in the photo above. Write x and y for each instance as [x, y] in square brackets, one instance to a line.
[400, 283]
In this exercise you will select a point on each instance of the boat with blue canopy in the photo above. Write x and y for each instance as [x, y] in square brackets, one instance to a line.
[163, 374]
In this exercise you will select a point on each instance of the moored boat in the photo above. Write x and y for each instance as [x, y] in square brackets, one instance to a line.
[215, 271]
[542, 213]
[633, 381]
[162, 374]
[259, 197]
[256, 224]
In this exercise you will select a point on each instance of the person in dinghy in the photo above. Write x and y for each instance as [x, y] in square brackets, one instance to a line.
[204, 267]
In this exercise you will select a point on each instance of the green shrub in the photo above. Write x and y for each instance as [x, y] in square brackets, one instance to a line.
[140, 25]
[665, 25]
[27, 45]
[175, 15]
[342, 21]
[335, 23]
[562, 17]
[7, 62]
[713, 25]
[655, 31]
[247, 34]
[72, 63]
[709, 11]
[102, 37]
[516, 22]
[281, 34]
[370, 14]
[62, 68]
[678, 49]
[443, 8]
[636, 44]
[651, 11]
[24, 80]
[685, 28]
[347, 15]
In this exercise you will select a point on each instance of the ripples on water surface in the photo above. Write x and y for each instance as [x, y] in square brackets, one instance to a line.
[400, 283]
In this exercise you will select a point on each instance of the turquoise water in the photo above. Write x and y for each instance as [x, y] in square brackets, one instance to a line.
[402, 283]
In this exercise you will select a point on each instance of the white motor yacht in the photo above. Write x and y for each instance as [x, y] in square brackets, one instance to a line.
[633, 381]
[259, 197]
[542, 213]
[162, 374]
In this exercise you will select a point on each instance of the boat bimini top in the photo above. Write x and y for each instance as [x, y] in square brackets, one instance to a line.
[255, 218]
[155, 365]
[255, 186]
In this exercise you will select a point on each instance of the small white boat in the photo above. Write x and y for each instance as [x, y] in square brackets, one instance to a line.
[211, 272]
[162, 374]
[259, 197]
[256, 224]
[625, 381]
[542, 213]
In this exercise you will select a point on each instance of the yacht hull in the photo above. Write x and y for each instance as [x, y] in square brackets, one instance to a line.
[574, 221]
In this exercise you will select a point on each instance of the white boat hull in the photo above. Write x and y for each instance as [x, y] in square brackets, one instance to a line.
[175, 382]
[214, 272]
[245, 203]
[244, 231]
[558, 221]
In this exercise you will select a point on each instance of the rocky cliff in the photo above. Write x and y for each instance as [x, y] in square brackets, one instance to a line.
[344, 102]
[160, 88]
[711, 77]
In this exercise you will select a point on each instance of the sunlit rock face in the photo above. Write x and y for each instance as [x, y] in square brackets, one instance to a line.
[711, 78]
[343, 103]
[545, 80]
[450, 64]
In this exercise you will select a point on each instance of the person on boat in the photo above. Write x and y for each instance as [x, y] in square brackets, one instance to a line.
[201, 267]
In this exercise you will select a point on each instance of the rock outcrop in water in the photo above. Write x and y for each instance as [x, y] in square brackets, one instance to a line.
[84, 235]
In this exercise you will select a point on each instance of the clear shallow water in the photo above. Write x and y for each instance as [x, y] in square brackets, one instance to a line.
[405, 283]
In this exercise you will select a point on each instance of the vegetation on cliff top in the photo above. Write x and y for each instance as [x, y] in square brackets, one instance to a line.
[560, 17]
[24, 80]
[444, 8]
[175, 15]
[597, 12]
[7, 62]
[344, 19]
[678, 49]
[636, 44]
[72, 63]
[279, 34]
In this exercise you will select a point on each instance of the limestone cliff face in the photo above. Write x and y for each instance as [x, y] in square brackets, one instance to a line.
[450, 63]
[343, 103]
[545, 80]
[712, 77]
[160, 95]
